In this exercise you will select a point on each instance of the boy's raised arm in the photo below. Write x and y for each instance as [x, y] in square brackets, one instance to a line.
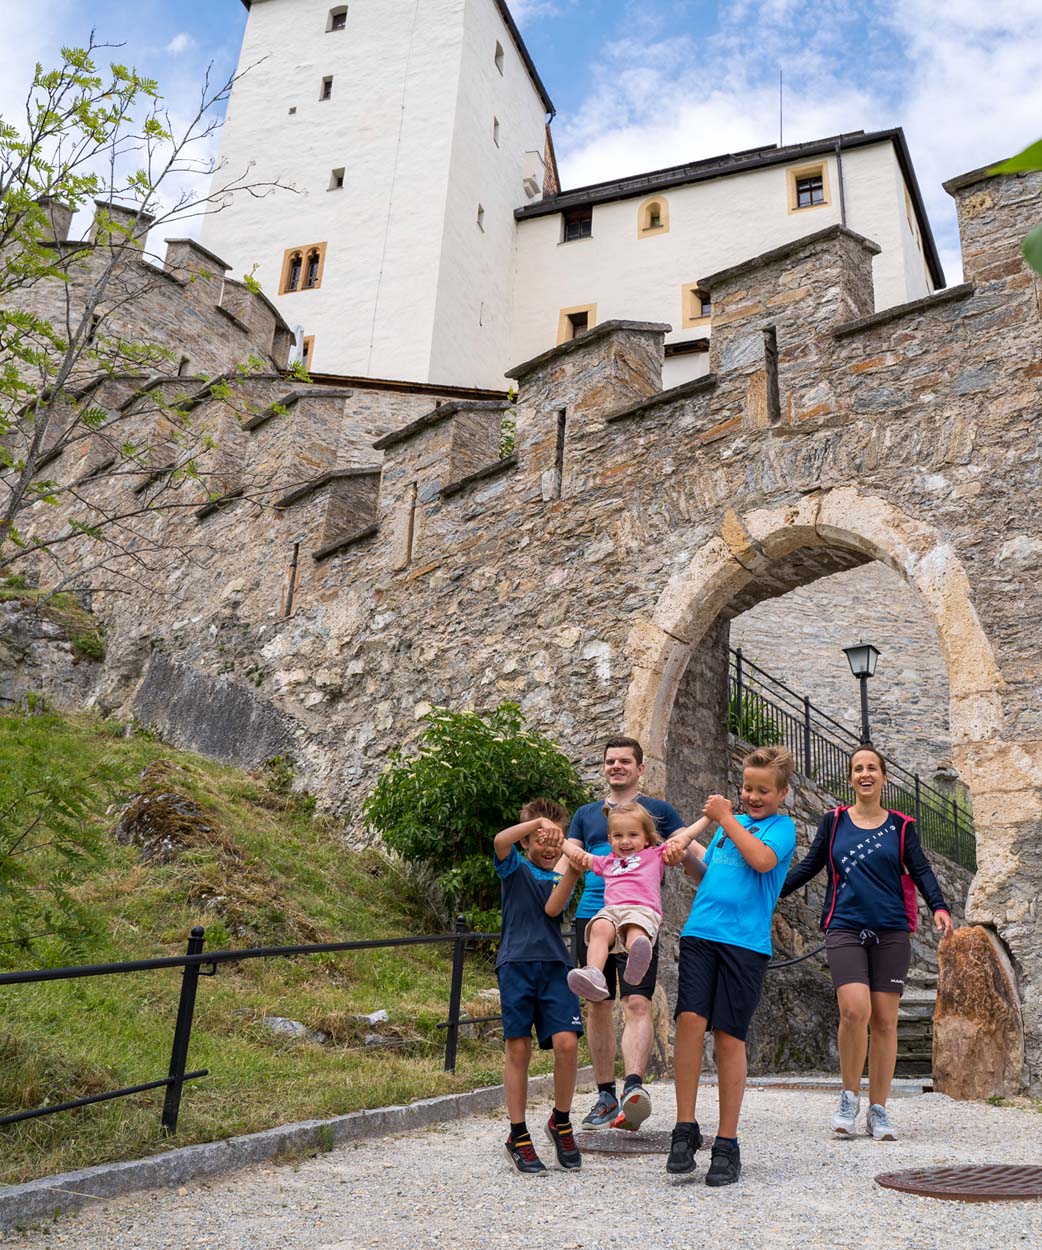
[577, 858]
[506, 838]
[755, 853]
[562, 892]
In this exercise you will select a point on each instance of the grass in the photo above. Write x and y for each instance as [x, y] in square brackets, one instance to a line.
[259, 869]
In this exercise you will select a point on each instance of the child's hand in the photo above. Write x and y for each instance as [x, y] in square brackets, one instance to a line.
[717, 807]
[577, 857]
[549, 835]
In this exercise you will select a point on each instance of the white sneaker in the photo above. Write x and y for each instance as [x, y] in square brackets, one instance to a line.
[846, 1114]
[878, 1124]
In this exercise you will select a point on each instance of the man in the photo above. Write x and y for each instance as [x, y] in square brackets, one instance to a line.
[623, 769]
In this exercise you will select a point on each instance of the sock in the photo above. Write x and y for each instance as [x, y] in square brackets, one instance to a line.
[518, 1130]
[606, 1087]
[561, 1117]
[686, 1124]
[632, 1078]
[727, 1141]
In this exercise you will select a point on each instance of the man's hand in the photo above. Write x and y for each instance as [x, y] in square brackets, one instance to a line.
[717, 808]
[675, 850]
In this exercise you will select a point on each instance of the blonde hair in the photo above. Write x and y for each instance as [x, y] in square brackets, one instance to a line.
[778, 759]
[632, 808]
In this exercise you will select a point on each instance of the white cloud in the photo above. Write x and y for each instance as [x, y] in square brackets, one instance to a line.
[180, 43]
[529, 10]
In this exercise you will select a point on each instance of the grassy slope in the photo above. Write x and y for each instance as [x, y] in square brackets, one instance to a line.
[270, 874]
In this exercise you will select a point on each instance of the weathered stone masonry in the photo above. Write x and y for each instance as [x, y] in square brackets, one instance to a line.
[591, 576]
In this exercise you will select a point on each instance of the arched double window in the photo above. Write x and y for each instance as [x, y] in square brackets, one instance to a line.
[302, 268]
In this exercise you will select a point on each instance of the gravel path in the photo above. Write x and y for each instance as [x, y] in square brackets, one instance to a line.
[451, 1187]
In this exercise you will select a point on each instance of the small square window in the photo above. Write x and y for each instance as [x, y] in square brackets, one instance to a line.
[293, 110]
[336, 179]
[499, 57]
[337, 18]
[580, 323]
[327, 88]
[495, 131]
[703, 304]
[578, 223]
[810, 190]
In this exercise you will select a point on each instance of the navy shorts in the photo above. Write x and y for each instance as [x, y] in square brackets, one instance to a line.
[615, 968]
[721, 982]
[537, 994]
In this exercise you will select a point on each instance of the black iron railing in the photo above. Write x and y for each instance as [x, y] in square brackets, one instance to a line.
[764, 711]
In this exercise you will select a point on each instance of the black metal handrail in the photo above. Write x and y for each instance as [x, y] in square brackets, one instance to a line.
[763, 710]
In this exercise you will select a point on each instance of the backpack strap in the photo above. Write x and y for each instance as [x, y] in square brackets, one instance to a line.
[832, 866]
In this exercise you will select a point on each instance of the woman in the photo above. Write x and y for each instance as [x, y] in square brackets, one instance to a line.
[864, 850]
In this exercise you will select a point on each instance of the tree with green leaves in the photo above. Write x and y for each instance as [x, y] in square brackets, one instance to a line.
[75, 318]
[467, 778]
[1028, 161]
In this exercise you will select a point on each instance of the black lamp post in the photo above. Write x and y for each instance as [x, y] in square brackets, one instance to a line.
[862, 661]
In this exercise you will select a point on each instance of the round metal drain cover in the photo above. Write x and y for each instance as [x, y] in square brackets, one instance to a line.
[622, 1142]
[988, 1182]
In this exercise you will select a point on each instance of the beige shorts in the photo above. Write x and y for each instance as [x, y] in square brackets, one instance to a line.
[643, 917]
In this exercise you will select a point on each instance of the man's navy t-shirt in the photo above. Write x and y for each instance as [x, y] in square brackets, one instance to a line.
[590, 827]
[529, 934]
[868, 876]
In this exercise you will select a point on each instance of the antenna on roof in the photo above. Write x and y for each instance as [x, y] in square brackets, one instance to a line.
[780, 110]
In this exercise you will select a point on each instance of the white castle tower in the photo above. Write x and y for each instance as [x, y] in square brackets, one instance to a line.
[411, 130]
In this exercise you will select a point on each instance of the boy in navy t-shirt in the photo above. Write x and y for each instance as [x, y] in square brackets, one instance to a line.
[532, 967]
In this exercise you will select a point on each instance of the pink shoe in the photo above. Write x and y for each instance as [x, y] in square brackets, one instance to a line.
[588, 983]
[638, 961]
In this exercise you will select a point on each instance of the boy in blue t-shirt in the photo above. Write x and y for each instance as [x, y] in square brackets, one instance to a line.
[532, 967]
[725, 947]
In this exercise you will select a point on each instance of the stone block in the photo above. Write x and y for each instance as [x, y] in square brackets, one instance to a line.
[978, 1036]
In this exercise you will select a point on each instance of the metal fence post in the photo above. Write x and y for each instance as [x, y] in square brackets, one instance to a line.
[918, 807]
[739, 728]
[455, 996]
[182, 1034]
[806, 736]
[955, 817]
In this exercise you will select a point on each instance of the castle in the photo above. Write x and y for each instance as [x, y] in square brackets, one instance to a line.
[370, 550]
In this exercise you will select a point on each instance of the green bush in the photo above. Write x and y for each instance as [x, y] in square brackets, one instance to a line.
[468, 779]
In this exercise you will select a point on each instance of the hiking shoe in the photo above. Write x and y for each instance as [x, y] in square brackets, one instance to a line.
[588, 983]
[603, 1112]
[523, 1156]
[567, 1151]
[638, 960]
[634, 1108]
[878, 1125]
[846, 1114]
[726, 1165]
[685, 1141]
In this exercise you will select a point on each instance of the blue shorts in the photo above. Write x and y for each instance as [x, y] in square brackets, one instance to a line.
[537, 994]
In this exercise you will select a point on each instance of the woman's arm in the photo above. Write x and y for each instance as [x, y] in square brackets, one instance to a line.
[562, 892]
[918, 868]
[813, 862]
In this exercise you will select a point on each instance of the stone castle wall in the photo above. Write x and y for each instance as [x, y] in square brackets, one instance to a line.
[592, 575]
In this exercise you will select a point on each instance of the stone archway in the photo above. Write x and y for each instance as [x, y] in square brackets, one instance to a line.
[826, 530]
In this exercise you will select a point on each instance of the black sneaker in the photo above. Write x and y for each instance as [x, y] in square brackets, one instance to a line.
[561, 1135]
[523, 1156]
[726, 1165]
[685, 1141]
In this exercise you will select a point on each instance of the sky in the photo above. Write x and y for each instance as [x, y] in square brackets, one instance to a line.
[641, 84]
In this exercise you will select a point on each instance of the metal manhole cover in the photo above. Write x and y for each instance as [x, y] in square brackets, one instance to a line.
[988, 1182]
[622, 1142]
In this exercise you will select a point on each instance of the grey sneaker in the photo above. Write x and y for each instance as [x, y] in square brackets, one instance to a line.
[878, 1124]
[634, 1108]
[846, 1114]
[588, 983]
[603, 1112]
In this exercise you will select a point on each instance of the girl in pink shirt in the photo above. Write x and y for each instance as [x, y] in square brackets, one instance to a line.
[632, 913]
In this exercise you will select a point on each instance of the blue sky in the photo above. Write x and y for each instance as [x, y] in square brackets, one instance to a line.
[639, 85]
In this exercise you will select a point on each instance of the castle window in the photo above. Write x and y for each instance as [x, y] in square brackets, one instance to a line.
[481, 217]
[696, 306]
[572, 322]
[808, 187]
[336, 179]
[337, 18]
[307, 351]
[578, 223]
[302, 268]
[653, 217]
[327, 88]
[499, 57]
[495, 131]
